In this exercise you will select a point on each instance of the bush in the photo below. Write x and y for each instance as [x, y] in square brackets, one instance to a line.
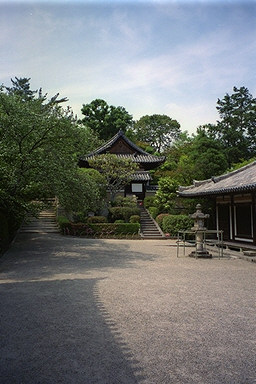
[122, 213]
[115, 229]
[97, 219]
[102, 230]
[159, 219]
[135, 219]
[149, 201]
[153, 211]
[125, 202]
[119, 221]
[174, 223]
[64, 224]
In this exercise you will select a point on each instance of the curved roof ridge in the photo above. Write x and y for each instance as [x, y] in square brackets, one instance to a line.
[215, 179]
[110, 142]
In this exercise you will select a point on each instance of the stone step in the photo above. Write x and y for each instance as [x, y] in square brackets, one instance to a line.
[149, 229]
[44, 223]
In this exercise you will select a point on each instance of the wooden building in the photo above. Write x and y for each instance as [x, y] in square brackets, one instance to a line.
[235, 197]
[121, 146]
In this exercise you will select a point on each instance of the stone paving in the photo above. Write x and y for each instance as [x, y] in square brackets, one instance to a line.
[118, 311]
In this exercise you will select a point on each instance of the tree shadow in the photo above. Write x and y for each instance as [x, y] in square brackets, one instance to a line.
[58, 331]
[37, 257]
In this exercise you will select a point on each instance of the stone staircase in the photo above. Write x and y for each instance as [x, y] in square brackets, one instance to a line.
[45, 223]
[149, 229]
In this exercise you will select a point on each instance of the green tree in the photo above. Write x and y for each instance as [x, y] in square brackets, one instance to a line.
[236, 131]
[117, 171]
[87, 184]
[38, 156]
[159, 131]
[165, 198]
[206, 155]
[106, 120]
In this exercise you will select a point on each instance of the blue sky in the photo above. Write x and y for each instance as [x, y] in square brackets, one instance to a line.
[167, 57]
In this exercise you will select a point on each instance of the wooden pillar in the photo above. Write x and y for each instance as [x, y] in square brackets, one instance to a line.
[253, 218]
[232, 217]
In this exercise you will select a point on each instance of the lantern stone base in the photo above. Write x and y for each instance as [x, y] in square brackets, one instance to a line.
[201, 254]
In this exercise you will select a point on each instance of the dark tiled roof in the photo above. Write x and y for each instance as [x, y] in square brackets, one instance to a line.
[141, 176]
[240, 180]
[140, 157]
[136, 158]
[112, 141]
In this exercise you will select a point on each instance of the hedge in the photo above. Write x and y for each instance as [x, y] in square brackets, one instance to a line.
[134, 219]
[97, 219]
[122, 213]
[159, 219]
[102, 230]
[174, 223]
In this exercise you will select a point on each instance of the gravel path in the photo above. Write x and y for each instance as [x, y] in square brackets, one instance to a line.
[79, 311]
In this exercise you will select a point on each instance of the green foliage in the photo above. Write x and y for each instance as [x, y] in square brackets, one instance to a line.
[198, 157]
[38, 158]
[119, 221]
[117, 171]
[160, 217]
[122, 213]
[174, 223]
[96, 219]
[115, 229]
[154, 211]
[158, 131]
[134, 219]
[241, 164]
[149, 201]
[165, 198]
[100, 230]
[64, 224]
[121, 201]
[84, 192]
[105, 120]
[236, 131]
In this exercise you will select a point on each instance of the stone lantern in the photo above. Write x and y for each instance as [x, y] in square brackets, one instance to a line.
[199, 230]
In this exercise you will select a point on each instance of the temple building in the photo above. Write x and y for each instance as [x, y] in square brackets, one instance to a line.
[121, 146]
[235, 197]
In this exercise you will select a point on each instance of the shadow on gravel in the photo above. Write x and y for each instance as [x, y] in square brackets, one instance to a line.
[53, 326]
[60, 332]
[47, 256]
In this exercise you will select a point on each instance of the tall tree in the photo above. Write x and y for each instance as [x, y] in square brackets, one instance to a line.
[38, 140]
[106, 120]
[159, 131]
[117, 171]
[236, 130]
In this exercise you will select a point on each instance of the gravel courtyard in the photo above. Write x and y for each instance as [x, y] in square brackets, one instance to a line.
[84, 311]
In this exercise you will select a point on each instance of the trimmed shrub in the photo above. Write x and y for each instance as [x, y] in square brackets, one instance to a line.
[115, 229]
[159, 219]
[121, 201]
[64, 224]
[101, 230]
[122, 213]
[149, 201]
[153, 211]
[119, 221]
[96, 219]
[174, 223]
[135, 219]
[128, 229]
